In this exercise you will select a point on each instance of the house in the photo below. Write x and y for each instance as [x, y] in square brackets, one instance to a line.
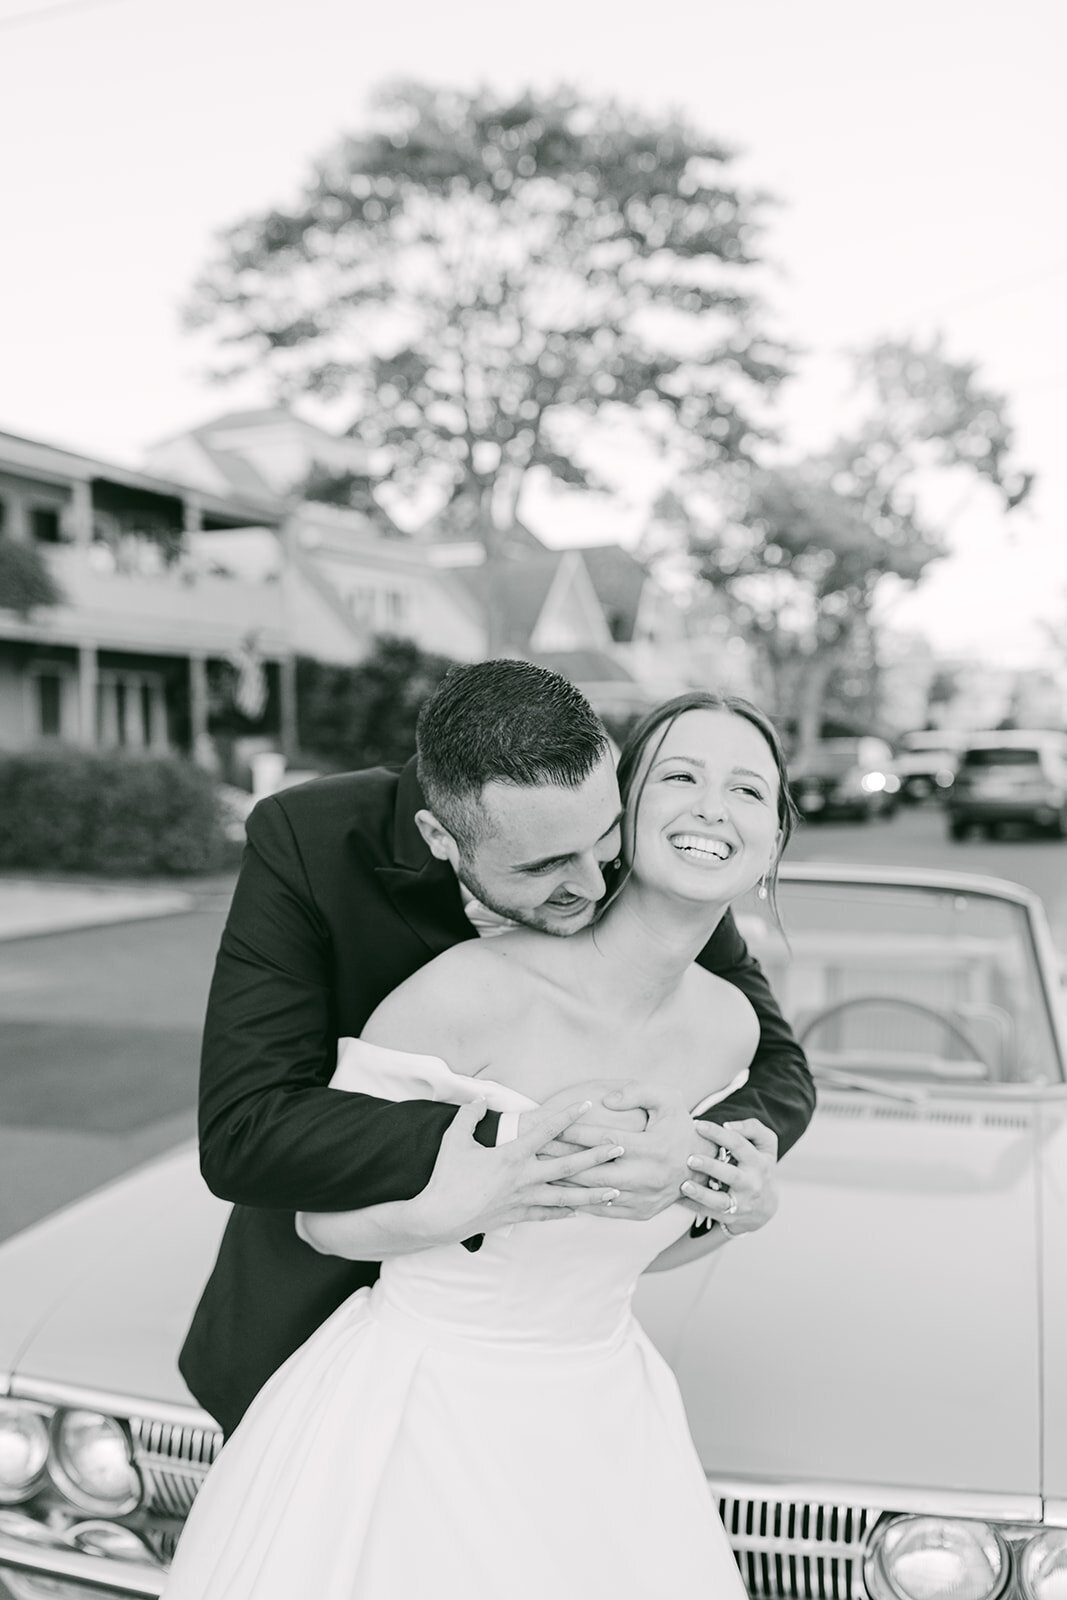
[595, 613]
[130, 657]
[266, 454]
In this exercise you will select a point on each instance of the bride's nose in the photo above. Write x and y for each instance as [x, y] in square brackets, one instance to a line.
[710, 806]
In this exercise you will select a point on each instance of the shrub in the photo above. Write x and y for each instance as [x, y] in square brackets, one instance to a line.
[365, 715]
[113, 813]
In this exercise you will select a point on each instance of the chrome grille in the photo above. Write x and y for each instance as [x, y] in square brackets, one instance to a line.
[802, 1550]
[173, 1459]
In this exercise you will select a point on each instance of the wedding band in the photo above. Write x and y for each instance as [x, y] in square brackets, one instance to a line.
[732, 1207]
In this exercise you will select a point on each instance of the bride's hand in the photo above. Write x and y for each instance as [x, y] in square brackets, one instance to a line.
[608, 1119]
[653, 1168]
[474, 1190]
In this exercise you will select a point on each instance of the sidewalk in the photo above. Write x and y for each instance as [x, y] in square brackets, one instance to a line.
[34, 905]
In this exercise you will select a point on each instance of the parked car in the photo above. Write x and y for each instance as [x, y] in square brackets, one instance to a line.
[1010, 777]
[846, 778]
[875, 1382]
[926, 761]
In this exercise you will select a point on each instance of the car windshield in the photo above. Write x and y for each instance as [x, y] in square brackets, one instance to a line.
[1003, 756]
[896, 982]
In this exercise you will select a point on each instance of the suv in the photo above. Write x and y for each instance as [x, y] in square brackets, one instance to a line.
[926, 761]
[853, 777]
[1011, 776]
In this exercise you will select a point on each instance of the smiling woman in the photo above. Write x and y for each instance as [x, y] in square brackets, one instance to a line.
[741, 775]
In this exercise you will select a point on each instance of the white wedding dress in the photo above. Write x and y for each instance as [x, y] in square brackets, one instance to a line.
[488, 1425]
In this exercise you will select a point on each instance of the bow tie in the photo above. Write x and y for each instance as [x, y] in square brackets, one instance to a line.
[484, 921]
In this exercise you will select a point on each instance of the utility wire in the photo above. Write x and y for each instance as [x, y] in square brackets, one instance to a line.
[20, 19]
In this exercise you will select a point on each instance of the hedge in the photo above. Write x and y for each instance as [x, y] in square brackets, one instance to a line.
[72, 810]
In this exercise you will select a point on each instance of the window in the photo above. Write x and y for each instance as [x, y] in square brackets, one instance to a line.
[131, 711]
[49, 687]
[44, 524]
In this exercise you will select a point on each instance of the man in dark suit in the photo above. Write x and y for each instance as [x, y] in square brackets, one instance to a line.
[349, 884]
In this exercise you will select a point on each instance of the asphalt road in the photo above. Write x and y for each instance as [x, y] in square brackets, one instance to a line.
[99, 1040]
[99, 1029]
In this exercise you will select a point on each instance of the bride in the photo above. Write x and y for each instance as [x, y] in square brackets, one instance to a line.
[495, 1425]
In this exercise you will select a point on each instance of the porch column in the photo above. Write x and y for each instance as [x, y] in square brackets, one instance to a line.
[288, 731]
[87, 681]
[192, 515]
[198, 734]
[80, 516]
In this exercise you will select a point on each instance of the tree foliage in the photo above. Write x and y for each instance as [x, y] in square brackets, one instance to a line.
[475, 273]
[365, 715]
[803, 548]
[25, 580]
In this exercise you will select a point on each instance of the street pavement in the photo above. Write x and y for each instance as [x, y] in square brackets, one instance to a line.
[99, 1043]
[100, 1028]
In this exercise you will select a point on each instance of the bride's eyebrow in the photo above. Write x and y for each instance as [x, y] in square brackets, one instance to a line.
[690, 761]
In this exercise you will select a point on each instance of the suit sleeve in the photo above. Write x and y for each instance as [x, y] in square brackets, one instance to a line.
[779, 1091]
[272, 1134]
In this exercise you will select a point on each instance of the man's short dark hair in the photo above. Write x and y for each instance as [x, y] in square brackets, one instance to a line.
[503, 721]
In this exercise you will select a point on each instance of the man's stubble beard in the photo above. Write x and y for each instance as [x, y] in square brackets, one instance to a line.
[523, 918]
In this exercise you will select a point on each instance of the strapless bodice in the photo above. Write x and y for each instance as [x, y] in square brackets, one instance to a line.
[535, 1284]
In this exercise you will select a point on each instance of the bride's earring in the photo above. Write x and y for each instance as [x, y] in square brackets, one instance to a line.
[761, 890]
[616, 864]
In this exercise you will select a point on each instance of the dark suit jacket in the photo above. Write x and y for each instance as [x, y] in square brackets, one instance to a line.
[337, 902]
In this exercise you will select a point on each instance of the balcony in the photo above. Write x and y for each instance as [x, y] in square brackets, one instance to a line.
[130, 599]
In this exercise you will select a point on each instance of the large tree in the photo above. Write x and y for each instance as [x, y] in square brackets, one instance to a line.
[474, 275]
[803, 549]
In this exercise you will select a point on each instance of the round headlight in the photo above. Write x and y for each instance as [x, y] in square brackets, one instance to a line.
[91, 1462]
[931, 1558]
[1043, 1565]
[110, 1539]
[23, 1450]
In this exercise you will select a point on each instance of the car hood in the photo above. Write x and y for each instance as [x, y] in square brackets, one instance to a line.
[99, 1295]
[885, 1329]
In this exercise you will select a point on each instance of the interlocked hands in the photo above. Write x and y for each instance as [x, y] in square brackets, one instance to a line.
[671, 1155]
[474, 1190]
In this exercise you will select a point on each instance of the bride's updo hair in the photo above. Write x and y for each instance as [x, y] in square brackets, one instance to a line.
[643, 740]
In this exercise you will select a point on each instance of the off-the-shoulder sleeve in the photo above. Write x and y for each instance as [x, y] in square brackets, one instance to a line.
[364, 1068]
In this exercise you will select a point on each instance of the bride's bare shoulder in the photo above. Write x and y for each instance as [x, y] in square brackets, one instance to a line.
[718, 999]
[450, 1006]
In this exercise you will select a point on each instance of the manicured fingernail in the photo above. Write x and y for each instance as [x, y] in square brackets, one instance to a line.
[609, 1195]
[695, 1164]
[689, 1188]
[618, 1150]
[586, 1105]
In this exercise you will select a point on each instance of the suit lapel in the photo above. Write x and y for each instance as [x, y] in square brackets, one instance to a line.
[424, 891]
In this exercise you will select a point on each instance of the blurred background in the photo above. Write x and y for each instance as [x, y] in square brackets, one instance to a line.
[718, 345]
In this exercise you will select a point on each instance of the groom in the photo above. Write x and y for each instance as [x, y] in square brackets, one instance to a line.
[351, 883]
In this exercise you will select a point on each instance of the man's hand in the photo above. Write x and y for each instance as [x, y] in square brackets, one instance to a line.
[734, 1182]
[653, 1168]
[474, 1190]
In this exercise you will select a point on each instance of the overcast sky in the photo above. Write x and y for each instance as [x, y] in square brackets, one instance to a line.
[919, 150]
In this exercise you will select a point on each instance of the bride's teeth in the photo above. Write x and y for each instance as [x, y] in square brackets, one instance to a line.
[705, 847]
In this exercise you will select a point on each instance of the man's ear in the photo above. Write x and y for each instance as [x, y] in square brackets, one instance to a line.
[439, 841]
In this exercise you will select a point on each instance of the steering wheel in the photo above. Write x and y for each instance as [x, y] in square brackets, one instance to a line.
[902, 1003]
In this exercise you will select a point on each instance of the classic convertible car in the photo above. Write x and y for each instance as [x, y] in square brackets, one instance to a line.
[876, 1383]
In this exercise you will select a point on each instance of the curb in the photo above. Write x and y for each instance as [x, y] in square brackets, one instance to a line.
[30, 908]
